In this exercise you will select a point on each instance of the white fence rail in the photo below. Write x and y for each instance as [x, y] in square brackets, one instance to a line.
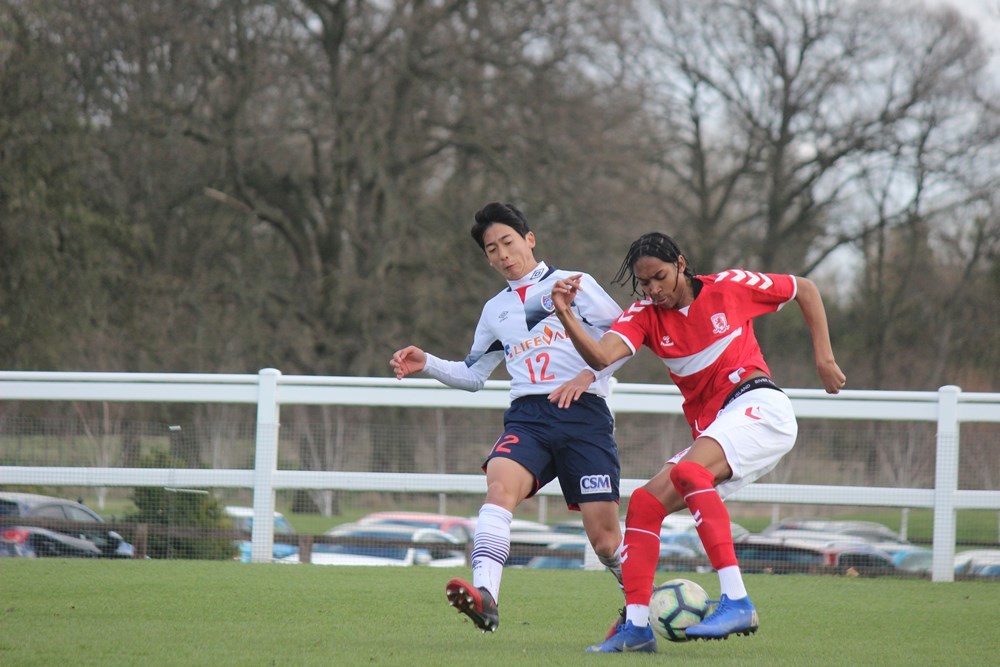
[269, 390]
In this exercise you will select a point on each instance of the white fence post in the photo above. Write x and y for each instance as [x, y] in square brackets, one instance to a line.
[265, 464]
[945, 485]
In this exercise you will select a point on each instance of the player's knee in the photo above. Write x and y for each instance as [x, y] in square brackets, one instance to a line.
[645, 511]
[688, 476]
[606, 542]
[498, 492]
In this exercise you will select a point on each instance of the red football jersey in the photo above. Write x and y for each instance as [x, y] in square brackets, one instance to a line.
[709, 347]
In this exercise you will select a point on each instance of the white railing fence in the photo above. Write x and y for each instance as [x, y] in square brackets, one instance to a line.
[269, 390]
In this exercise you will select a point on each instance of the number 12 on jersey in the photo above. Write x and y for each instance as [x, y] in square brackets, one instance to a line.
[542, 362]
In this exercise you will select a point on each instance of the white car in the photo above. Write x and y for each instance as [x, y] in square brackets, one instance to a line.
[869, 531]
[983, 562]
[385, 545]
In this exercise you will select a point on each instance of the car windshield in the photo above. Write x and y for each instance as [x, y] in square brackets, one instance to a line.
[48, 512]
[78, 514]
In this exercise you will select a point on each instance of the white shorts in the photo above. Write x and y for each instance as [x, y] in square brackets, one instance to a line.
[755, 431]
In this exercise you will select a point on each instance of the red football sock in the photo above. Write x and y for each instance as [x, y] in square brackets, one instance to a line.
[696, 485]
[641, 553]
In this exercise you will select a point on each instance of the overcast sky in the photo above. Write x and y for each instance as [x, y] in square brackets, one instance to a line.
[985, 11]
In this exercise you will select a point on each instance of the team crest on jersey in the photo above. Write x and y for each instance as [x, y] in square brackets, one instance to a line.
[547, 303]
[719, 323]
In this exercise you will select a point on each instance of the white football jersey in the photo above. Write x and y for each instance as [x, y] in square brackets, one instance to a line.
[519, 326]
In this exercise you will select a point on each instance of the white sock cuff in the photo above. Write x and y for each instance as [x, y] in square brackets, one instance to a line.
[497, 511]
[638, 614]
[731, 582]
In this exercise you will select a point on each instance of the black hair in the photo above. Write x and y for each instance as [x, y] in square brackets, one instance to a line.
[653, 244]
[494, 212]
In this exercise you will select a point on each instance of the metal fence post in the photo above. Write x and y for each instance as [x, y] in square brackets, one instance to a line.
[945, 485]
[265, 464]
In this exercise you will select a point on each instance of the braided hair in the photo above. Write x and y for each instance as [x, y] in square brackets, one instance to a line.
[653, 244]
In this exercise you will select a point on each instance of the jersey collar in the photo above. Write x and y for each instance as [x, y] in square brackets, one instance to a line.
[536, 274]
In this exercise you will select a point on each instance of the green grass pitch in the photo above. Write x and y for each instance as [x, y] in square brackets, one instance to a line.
[62, 612]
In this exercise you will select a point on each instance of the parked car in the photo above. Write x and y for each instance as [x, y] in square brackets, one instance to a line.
[980, 562]
[906, 556]
[814, 537]
[571, 527]
[869, 531]
[910, 558]
[563, 556]
[242, 518]
[378, 545]
[90, 541]
[758, 553]
[461, 527]
[567, 554]
[548, 538]
[528, 526]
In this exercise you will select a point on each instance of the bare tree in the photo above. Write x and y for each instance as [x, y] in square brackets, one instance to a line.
[769, 106]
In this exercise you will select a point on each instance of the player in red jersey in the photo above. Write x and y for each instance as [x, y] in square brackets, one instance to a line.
[701, 328]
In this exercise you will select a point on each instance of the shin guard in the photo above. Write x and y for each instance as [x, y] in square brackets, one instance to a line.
[641, 553]
[696, 485]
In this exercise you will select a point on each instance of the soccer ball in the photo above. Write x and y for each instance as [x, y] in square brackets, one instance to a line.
[677, 604]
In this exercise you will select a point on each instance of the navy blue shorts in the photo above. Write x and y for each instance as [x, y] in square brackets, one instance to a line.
[575, 445]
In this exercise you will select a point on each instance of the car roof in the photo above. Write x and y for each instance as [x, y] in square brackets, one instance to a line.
[428, 517]
[34, 499]
[867, 529]
[391, 531]
[527, 526]
[811, 544]
[815, 536]
[233, 510]
[978, 556]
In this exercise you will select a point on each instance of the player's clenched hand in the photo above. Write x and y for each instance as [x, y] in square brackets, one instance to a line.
[833, 378]
[408, 360]
[564, 291]
[569, 391]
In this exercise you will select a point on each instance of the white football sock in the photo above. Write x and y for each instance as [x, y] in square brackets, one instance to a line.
[490, 548]
[731, 582]
[638, 614]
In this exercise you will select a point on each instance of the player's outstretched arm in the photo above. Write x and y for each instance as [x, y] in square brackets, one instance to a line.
[811, 303]
[598, 354]
[409, 360]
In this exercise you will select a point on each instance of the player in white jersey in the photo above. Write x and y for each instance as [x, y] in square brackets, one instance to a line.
[742, 424]
[558, 425]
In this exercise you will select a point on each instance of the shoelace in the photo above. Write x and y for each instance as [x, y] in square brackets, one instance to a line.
[720, 605]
